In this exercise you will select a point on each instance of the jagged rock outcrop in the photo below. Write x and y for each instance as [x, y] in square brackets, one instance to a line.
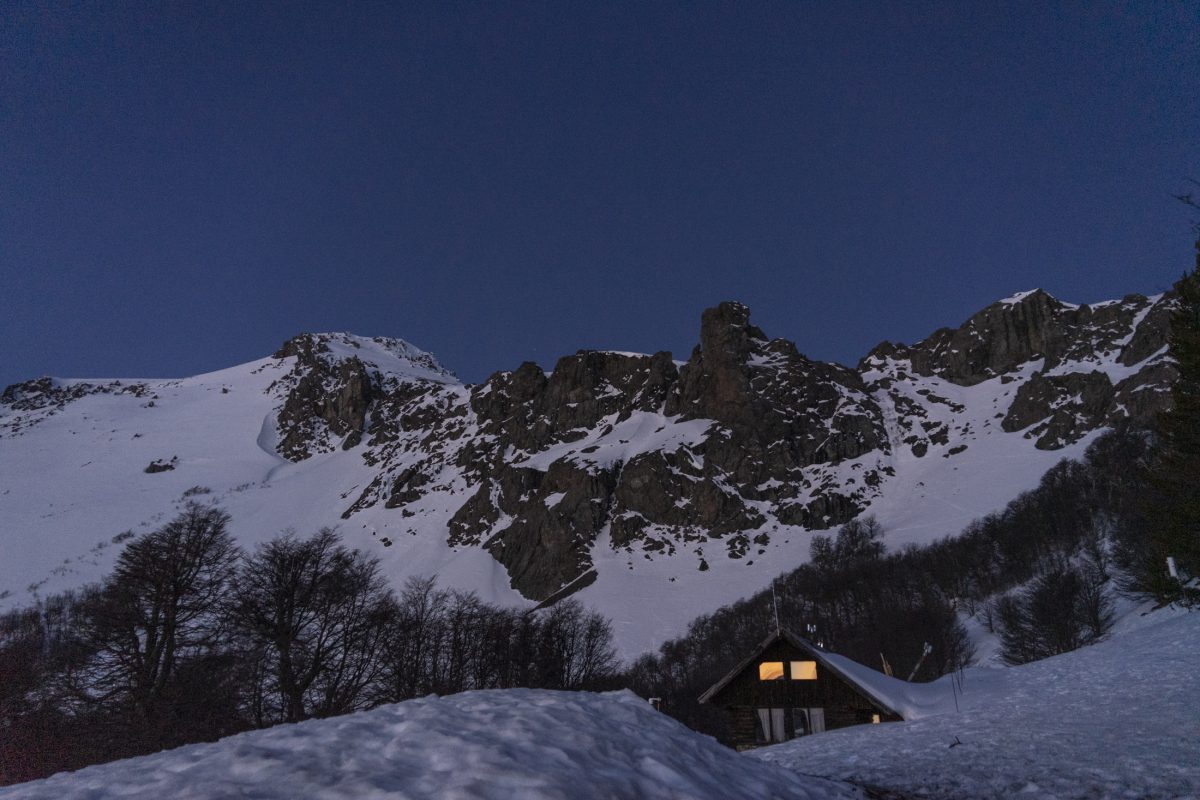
[1034, 325]
[766, 392]
[326, 395]
[1060, 409]
[617, 458]
[654, 454]
[998, 339]
[1071, 369]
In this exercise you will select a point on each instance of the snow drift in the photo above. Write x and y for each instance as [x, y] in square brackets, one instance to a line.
[526, 744]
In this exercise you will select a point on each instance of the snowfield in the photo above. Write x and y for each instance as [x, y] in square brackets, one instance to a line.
[1120, 719]
[74, 484]
[73, 480]
[520, 744]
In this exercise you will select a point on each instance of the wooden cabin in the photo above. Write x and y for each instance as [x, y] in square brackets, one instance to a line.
[789, 687]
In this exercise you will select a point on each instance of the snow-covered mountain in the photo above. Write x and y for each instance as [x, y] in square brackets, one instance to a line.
[652, 489]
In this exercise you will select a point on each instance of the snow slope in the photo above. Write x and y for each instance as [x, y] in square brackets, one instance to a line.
[519, 744]
[72, 476]
[73, 480]
[1120, 719]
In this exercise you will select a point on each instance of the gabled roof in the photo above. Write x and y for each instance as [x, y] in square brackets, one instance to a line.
[853, 677]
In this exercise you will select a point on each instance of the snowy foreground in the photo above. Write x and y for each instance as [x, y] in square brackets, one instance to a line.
[525, 744]
[1117, 720]
[1120, 719]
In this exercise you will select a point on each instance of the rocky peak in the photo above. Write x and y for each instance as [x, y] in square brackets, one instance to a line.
[658, 455]
[392, 358]
[333, 381]
[1077, 368]
[767, 392]
[304, 346]
[998, 339]
[1034, 325]
[715, 383]
[726, 335]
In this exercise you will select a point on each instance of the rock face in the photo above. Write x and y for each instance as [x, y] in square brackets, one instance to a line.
[1060, 409]
[646, 455]
[1071, 369]
[654, 455]
[642, 454]
[1033, 325]
[611, 457]
[327, 393]
[998, 339]
[325, 400]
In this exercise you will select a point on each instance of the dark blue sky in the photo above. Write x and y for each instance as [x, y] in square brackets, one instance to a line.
[183, 186]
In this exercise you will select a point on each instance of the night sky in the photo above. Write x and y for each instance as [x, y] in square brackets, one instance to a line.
[184, 186]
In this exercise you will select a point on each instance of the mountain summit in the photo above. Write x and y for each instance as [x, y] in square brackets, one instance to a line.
[656, 489]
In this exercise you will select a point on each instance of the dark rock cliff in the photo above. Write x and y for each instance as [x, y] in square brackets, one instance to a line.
[650, 456]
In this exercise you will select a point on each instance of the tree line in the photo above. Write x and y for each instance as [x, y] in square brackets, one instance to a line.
[191, 639]
[1171, 503]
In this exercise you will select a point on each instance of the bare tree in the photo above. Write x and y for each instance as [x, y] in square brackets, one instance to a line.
[314, 615]
[576, 647]
[1061, 610]
[160, 606]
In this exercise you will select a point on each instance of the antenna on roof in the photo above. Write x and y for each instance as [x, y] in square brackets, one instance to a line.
[775, 603]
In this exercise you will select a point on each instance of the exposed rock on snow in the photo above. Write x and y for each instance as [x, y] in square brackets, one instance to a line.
[518, 744]
[636, 470]
[1060, 409]
[332, 383]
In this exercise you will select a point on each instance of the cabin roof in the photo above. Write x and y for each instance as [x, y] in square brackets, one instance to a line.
[851, 672]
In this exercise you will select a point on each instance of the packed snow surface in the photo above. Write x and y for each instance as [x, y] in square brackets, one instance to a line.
[520, 744]
[1120, 719]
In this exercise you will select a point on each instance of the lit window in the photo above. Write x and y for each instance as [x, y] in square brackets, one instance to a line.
[770, 671]
[804, 670]
[875, 719]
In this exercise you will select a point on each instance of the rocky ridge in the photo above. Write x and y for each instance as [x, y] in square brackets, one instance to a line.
[645, 454]
[611, 458]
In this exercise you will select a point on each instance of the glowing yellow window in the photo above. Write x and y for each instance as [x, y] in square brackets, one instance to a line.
[770, 671]
[804, 670]
[874, 719]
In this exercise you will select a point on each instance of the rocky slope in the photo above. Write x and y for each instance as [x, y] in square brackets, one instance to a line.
[645, 482]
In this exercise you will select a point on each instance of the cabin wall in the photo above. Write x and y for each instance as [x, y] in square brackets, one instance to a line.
[743, 722]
